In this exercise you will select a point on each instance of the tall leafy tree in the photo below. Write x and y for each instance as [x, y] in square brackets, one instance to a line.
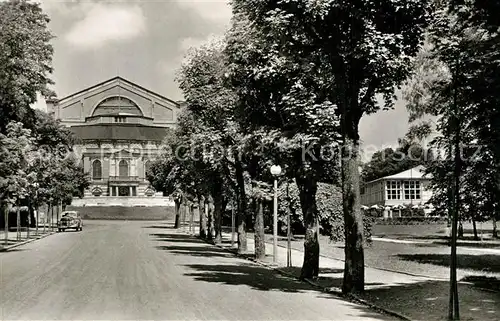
[25, 59]
[349, 52]
[16, 147]
[202, 79]
[278, 107]
[462, 90]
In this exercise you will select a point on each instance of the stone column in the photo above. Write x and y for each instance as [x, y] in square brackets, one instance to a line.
[112, 167]
[86, 163]
[105, 168]
[133, 167]
[130, 191]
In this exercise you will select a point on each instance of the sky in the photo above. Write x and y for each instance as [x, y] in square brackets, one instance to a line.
[145, 41]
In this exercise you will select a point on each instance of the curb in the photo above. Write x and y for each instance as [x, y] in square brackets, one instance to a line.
[6, 249]
[335, 291]
[350, 297]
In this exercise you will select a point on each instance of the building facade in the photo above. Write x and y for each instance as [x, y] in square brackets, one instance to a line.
[119, 126]
[408, 188]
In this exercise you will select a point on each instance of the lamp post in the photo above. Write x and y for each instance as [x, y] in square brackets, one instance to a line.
[275, 171]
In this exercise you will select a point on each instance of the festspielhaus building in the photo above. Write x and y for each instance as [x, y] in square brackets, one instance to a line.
[120, 127]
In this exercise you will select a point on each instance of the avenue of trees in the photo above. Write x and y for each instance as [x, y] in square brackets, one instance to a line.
[293, 77]
[288, 85]
[37, 163]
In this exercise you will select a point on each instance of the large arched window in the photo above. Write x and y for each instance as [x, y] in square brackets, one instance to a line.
[123, 168]
[117, 105]
[96, 169]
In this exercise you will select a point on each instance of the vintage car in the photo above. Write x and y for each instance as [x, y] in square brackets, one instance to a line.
[70, 220]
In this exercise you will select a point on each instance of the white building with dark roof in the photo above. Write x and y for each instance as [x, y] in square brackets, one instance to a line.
[120, 126]
[409, 188]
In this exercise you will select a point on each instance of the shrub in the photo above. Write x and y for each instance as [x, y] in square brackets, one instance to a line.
[411, 220]
[330, 214]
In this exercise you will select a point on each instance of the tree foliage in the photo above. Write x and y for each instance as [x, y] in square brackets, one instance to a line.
[25, 60]
[454, 80]
[337, 56]
[407, 155]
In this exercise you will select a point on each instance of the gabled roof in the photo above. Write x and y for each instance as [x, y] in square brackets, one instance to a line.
[119, 79]
[413, 173]
[416, 172]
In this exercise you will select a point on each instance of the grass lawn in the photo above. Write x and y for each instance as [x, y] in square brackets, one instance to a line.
[423, 259]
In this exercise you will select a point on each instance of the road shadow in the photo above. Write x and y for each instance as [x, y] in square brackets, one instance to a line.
[175, 240]
[254, 276]
[483, 262]
[172, 236]
[166, 227]
[264, 279]
[12, 250]
[328, 277]
[197, 251]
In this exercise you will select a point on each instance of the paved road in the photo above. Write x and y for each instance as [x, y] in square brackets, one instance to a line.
[145, 270]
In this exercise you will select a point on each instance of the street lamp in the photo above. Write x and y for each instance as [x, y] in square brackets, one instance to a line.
[275, 171]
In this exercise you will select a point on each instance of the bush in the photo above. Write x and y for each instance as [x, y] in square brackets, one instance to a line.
[411, 220]
[413, 212]
[329, 205]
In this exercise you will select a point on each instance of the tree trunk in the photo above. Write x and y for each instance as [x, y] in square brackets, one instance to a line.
[46, 218]
[242, 207]
[59, 207]
[354, 270]
[191, 218]
[177, 213]
[259, 236]
[6, 225]
[307, 193]
[18, 221]
[203, 219]
[52, 218]
[475, 229]
[495, 233]
[210, 224]
[218, 200]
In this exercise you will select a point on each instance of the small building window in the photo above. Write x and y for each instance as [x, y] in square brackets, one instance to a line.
[96, 170]
[393, 189]
[412, 190]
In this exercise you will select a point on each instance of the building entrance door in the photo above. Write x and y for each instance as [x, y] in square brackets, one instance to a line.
[123, 191]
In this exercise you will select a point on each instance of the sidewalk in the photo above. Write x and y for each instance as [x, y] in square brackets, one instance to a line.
[463, 244]
[13, 241]
[414, 298]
